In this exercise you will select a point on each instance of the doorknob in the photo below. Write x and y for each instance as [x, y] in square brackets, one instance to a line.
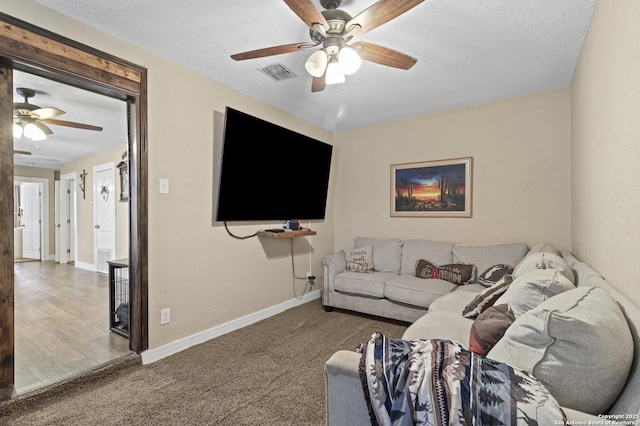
[97, 226]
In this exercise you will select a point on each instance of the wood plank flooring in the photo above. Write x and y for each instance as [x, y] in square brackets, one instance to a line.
[61, 324]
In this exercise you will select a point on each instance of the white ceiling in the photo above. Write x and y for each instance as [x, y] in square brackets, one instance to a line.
[469, 51]
[80, 106]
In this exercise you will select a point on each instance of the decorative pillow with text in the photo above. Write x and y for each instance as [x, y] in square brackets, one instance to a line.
[359, 259]
[457, 273]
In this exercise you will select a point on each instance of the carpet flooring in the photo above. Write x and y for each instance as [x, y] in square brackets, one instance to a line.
[269, 373]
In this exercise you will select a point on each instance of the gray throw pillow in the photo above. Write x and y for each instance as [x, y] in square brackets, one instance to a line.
[531, 289]
[578, 344]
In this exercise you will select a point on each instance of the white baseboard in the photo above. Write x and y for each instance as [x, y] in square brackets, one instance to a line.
[153, 355]
[87, 266]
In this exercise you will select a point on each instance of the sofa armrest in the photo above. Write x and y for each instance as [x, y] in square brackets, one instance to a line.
[331, 266]
[345, 401]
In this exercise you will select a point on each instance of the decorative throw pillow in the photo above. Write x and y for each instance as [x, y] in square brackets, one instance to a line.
[578, 344]
[457, 273]
[493, 274]
[486, 298]
[489, 327]
[359, 259]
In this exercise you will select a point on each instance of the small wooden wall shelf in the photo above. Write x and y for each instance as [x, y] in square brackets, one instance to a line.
[286, 234]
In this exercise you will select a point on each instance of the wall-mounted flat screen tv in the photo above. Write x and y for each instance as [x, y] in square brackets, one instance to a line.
[270, 173]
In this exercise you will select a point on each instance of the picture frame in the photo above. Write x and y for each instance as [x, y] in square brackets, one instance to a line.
[439, 188]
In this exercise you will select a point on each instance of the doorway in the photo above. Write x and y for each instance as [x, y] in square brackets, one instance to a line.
[31, 219]
[66, 221]
[71, 63]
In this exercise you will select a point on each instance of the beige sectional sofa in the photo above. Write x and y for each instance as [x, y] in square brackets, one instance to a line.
[392, 290]
[581, 339]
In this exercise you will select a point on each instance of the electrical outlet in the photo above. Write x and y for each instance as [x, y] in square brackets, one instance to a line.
[165, 316]
[310, 278]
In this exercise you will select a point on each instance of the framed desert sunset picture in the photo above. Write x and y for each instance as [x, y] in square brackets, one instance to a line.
[439, 188]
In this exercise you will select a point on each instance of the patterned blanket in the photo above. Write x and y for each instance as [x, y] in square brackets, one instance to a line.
[439, 382]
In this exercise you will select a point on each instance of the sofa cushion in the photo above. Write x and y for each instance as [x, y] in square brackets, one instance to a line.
[457, 273]
[415, 291]
[414, 249]
[489, 328]
[387, 253]
[485, 256]
[543, 260]
[577, 343]
[359, 259]
[531, 289]
[371, 285]
[492, 275]
[455, 300]
[486, 298]
[440, 325]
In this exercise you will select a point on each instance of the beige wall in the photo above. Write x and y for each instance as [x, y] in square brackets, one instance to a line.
[523, 162]
[206, 277]
[605, 99]
[521, 172]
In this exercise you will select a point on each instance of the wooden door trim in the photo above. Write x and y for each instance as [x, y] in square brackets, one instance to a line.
[38, 51]
[6, 239]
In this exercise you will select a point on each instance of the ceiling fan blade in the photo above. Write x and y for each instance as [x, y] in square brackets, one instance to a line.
[381, 12]
[48, 112]
[41, 126]
[73, 124]
[270, 51]
[384, 55]
[319, 83]
[307, 12]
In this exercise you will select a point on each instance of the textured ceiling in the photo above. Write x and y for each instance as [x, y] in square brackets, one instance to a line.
[468, 51]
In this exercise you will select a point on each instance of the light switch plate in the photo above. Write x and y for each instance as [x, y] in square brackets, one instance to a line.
[164, 186]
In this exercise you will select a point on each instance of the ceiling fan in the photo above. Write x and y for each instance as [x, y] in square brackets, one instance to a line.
[333, 29]
[29, 119]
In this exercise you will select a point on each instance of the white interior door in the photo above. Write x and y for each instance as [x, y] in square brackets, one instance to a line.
[31, 205]
[67, 218]
[56, 220]
[104, 214]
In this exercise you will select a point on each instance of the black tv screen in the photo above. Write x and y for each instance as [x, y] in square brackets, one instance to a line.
[270, 173]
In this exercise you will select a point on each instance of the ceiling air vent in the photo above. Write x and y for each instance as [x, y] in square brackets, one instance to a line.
[278, 72]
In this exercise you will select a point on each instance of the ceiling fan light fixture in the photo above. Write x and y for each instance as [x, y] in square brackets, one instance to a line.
[33, 132]
[335, 73]
[317, 63]
[17, 131]
[349, 59]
